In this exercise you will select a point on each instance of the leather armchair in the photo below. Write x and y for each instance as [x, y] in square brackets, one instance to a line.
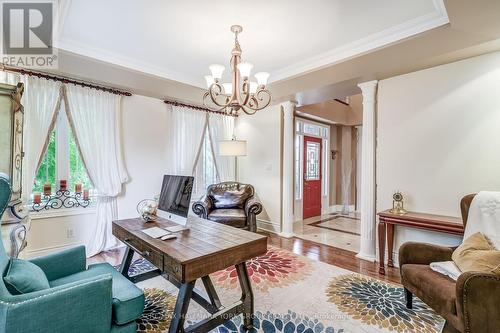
[469, 305]
[230, 203]
[80, 299]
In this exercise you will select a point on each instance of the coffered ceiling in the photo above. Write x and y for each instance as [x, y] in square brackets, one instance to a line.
[178, 40]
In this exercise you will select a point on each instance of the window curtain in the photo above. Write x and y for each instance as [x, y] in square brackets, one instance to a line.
[186, 132]
[40, 100]
[94, 119]
[221, 127]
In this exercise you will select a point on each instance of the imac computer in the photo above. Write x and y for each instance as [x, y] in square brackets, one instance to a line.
[175, 198]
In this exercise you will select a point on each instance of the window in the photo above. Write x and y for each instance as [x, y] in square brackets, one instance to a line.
[205, 172]
[62, 160]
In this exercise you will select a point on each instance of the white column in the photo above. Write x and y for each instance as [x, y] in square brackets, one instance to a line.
[287, 172]
[368, 187]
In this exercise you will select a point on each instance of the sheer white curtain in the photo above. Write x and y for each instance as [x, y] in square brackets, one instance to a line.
[186, 132]
[41, 104]
[221, 127]
[94, 117]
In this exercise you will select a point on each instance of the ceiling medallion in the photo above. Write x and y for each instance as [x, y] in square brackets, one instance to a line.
[241, 93]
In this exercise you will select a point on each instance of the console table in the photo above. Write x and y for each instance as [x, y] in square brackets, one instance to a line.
[205, 248]
[387, 221]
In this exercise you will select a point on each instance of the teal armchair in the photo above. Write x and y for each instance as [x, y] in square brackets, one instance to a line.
[80, 299]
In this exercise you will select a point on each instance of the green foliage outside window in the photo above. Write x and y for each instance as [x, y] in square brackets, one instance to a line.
[78, 173]
[47, 172]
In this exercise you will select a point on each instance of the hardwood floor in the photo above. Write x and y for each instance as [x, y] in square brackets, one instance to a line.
[315, 251]
[333, 256]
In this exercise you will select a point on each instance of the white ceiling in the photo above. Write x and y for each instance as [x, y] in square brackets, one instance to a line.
[178, 40]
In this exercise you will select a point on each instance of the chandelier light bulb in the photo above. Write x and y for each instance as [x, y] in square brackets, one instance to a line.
[262, 78]
[217, 71]
[253, 87]
[245, 68]
[228, 88]
[210, 80]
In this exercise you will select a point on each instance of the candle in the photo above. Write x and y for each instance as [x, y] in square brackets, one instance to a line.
[63, 185]
[37, 198]
[85, 194]
[78, 188]
[47, 189]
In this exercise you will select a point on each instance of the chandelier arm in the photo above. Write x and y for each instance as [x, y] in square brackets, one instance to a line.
[222, 107]
[257, 97]
[214, 94]
[248, 112]
[246, 93]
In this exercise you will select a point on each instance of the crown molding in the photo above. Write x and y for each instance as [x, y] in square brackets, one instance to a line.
[86, 50]
[370, 43]
[345, 52]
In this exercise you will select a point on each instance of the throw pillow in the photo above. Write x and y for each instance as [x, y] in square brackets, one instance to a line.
[24, 277]
[477, 254]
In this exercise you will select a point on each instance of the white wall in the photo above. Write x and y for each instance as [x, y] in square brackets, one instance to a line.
[144, 151]
[144, 139]
[438, 138]
[262, 165]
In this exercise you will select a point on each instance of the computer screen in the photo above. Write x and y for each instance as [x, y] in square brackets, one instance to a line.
[175, 197]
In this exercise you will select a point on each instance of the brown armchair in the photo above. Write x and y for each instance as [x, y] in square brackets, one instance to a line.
[230, 203]
[471, 304]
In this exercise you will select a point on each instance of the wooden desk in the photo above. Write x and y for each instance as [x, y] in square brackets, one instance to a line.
[205, 248]
[387, 221]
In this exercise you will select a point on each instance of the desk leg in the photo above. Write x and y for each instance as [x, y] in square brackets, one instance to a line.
[246, 295]
[212, 294]
[181, 307]
[381, 247]
[126, 261]
[390, 244]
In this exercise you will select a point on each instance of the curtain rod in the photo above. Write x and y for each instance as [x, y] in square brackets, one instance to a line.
[63, 80]
[197, 108]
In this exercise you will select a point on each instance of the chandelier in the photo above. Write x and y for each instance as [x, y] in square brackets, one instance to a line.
[241, 93]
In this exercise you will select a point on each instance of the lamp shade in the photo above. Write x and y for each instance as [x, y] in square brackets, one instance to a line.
[217, 71]
[232, 148]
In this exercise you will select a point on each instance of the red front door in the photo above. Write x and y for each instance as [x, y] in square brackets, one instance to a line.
[312, 177]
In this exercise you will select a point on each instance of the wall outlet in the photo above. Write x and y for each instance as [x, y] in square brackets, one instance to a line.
[70, 233]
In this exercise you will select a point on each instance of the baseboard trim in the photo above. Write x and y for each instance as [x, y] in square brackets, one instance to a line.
[50, 249]
[338, 208]
[367, 257]
[269, 226]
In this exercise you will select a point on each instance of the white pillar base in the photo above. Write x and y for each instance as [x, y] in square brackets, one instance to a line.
[286, 234]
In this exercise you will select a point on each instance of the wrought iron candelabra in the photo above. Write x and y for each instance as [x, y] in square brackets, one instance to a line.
[61, 199]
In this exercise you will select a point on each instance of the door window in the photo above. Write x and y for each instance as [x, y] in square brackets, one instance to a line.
[313, 160]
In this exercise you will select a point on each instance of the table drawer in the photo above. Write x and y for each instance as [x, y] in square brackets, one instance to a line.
[146, 251]
[173, 268]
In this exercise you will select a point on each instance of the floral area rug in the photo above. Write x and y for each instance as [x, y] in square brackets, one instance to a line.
[294, 294]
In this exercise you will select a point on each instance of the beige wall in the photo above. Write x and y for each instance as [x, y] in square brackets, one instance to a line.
[355, 116]
[144, 125]
[262, 165]
[438, 138]
[331, 110]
